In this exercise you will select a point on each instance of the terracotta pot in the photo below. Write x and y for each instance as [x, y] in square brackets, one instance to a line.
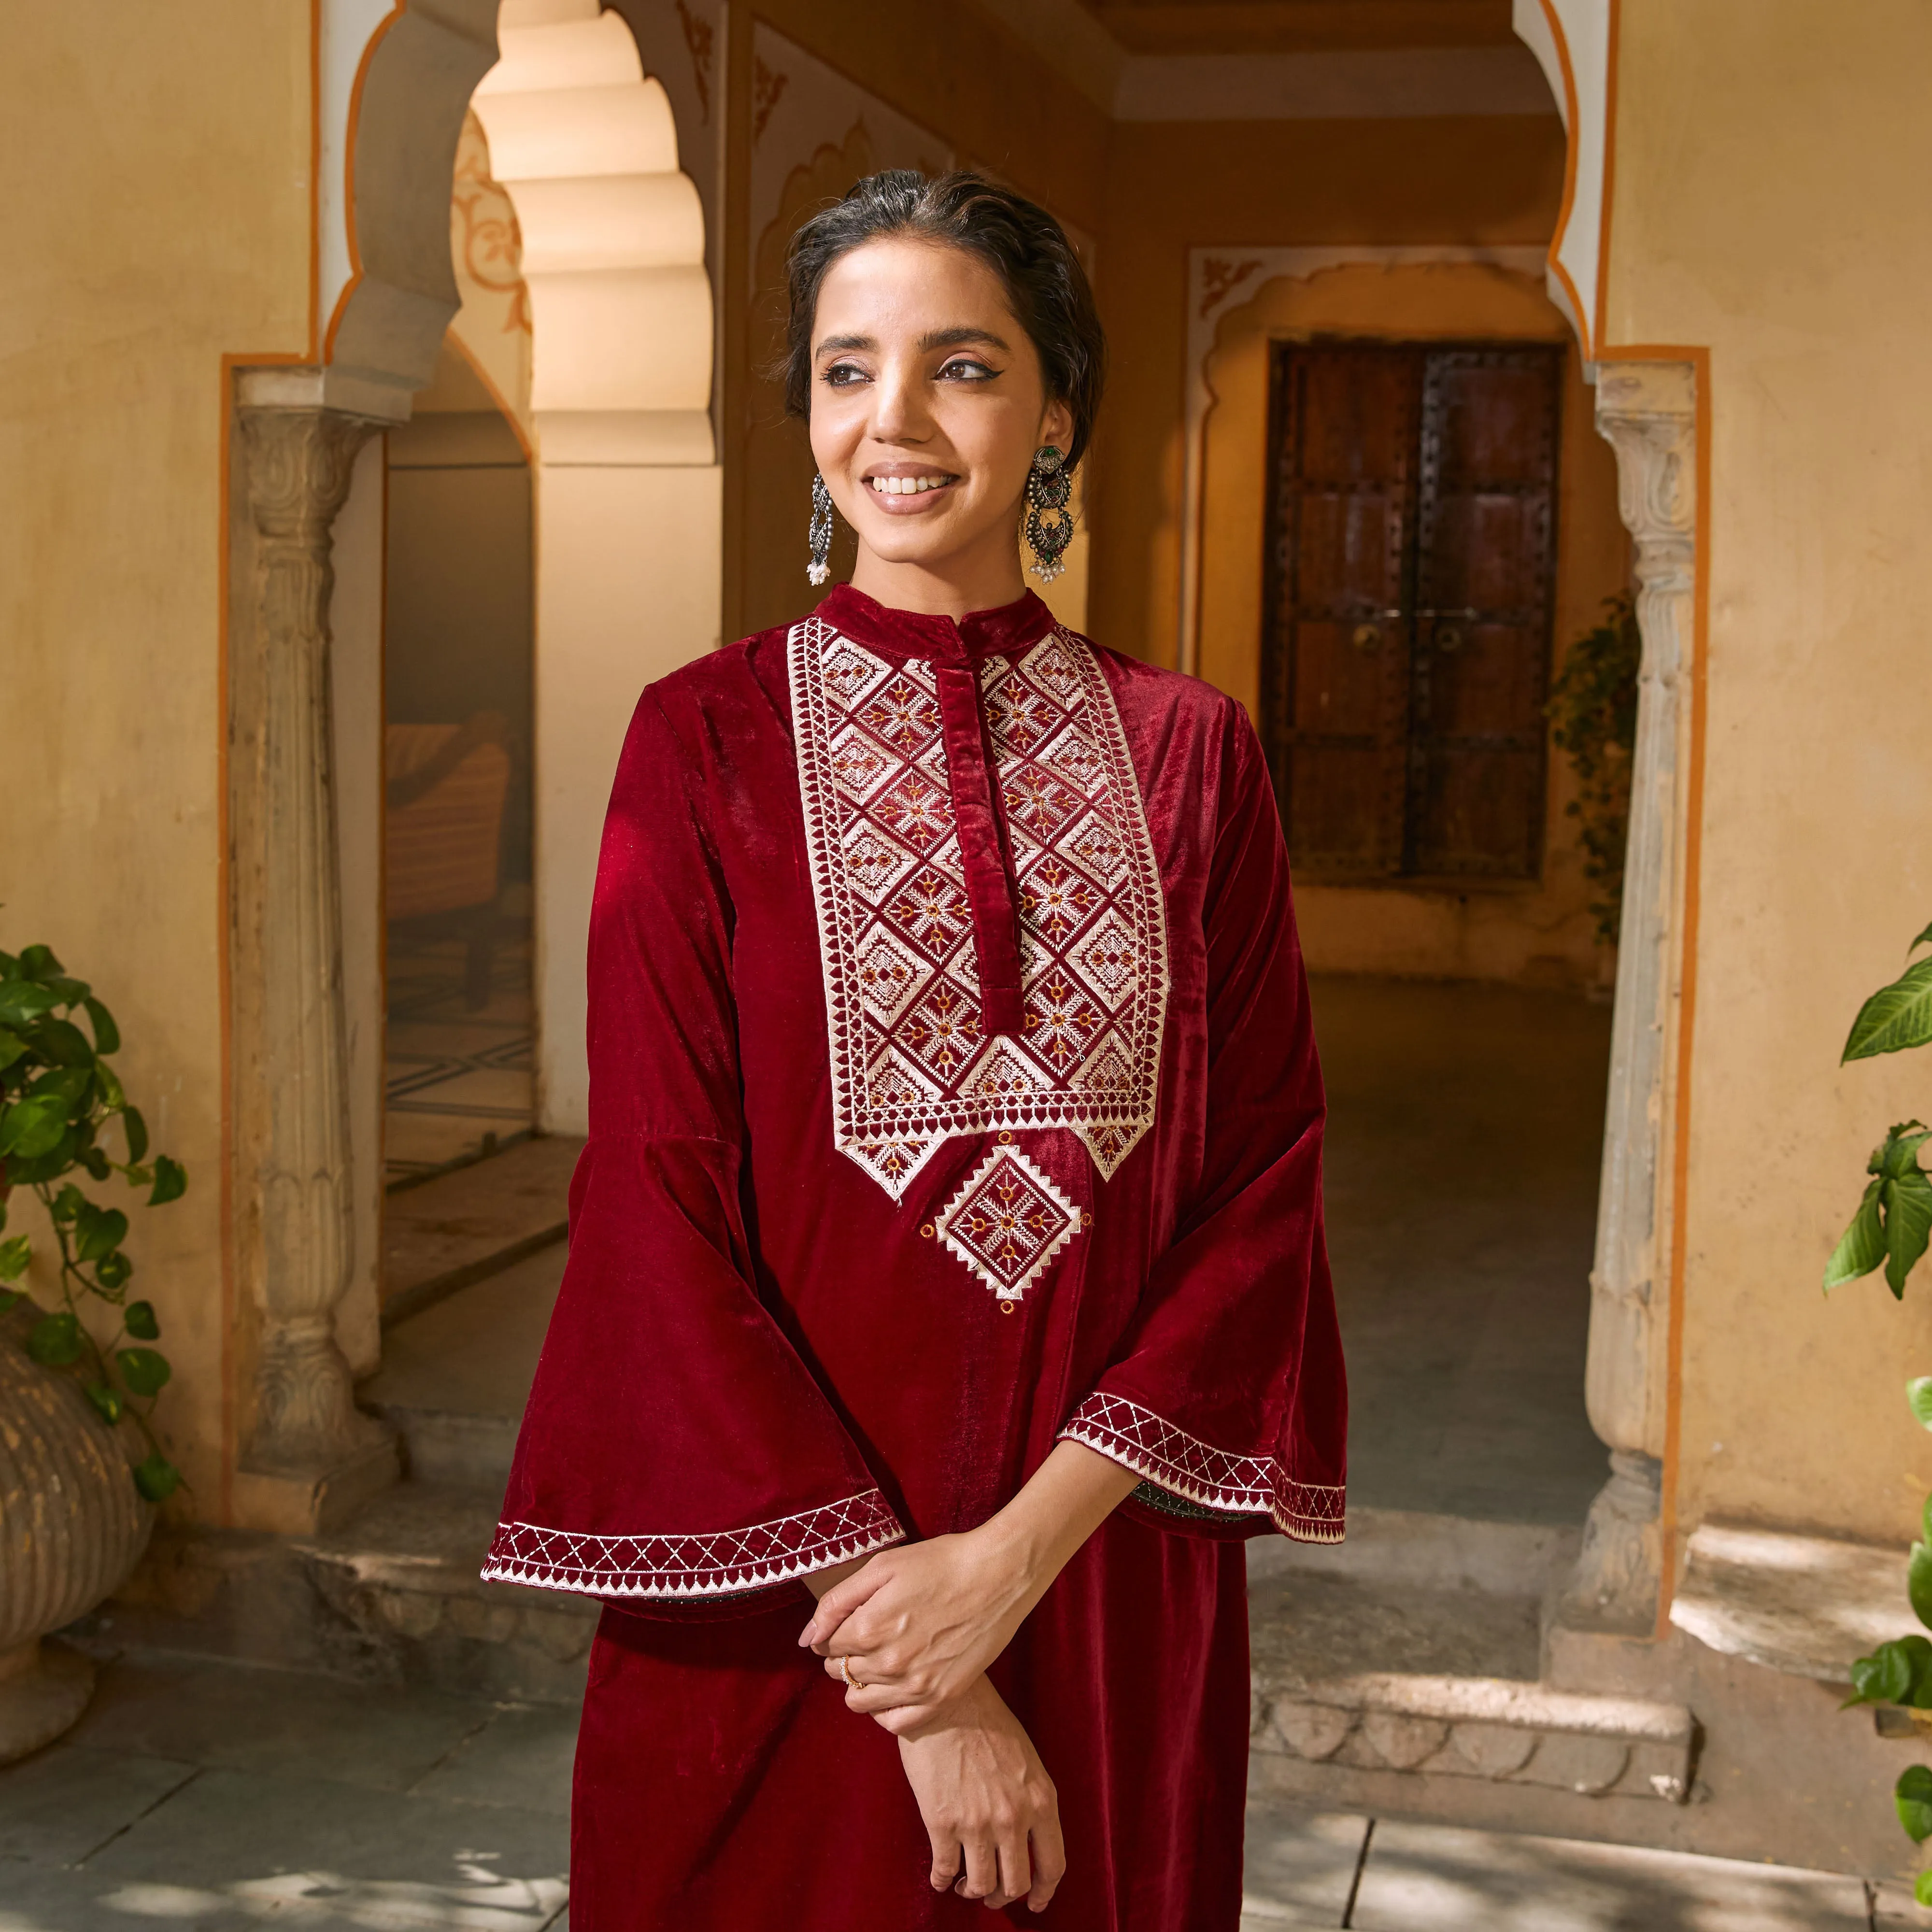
[72, 1526]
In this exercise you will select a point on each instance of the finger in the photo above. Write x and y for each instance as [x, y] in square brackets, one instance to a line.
[1049, 1862]
[839, 1602]
[1015, 1871]
[982, 1877]
[945, 1860]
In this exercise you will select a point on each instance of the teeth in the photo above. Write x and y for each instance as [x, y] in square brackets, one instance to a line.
[907, 486]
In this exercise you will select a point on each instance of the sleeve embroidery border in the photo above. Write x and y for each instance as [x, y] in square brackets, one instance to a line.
[712, 1563]
[1184, 1466]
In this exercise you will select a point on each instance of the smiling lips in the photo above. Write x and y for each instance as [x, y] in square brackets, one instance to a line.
[901, 494]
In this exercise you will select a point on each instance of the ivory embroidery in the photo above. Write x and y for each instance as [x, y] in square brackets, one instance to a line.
[912, 1065]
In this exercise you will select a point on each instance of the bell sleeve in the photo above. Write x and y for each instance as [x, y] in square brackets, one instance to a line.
[1227, 1393]
[675, 1446]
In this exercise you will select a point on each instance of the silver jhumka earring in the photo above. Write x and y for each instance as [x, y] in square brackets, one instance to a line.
[818, 534]
[1049, 523]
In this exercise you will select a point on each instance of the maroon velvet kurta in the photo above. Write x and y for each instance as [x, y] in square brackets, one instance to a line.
[953, 1091]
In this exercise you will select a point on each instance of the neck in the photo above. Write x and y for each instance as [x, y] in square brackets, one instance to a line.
[983, 578]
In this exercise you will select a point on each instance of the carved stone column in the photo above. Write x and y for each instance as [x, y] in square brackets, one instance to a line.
[1648, 413]
[310, 1458]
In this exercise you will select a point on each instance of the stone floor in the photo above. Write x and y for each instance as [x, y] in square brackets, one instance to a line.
[210, 1799]
[457, 1081]
[1465, 1125]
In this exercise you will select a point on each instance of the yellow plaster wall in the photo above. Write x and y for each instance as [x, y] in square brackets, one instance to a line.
[1771, 169]
[159, 217]
[1540, 934]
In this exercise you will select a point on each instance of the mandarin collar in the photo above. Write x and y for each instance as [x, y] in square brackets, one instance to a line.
[1010, 628]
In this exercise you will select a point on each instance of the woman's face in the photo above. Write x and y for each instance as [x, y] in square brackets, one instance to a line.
[927, 405]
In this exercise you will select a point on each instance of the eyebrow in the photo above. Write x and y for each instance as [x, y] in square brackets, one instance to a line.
[937, 338]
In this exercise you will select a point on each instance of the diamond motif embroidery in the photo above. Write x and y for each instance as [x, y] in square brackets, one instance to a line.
[912, 1064]
[1007, 1222]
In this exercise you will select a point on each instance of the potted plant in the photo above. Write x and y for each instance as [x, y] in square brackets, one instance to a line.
[74, 1506]
[1891, 1229]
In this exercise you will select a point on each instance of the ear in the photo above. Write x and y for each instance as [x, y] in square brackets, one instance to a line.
[1056, 427]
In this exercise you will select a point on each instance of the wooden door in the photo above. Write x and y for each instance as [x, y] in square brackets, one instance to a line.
[1412, 563]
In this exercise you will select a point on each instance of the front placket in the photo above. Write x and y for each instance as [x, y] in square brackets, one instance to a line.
[984, 852]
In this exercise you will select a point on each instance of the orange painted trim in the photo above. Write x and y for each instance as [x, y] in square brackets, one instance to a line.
[354, 123]
[1598, 327]
[1571, 146]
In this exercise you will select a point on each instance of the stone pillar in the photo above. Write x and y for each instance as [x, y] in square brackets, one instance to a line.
[1648, 413]
[310, 1458]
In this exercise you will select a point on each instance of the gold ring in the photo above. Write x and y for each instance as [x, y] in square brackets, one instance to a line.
[845, 1671]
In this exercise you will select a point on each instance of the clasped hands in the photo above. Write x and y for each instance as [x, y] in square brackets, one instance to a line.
[915, 1626]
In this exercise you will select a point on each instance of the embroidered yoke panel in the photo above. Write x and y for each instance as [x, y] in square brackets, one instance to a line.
[914, 1060]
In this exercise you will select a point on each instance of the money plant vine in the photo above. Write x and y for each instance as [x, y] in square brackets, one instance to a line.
[1592, 711]
[1891, 1230]
[58, 1094]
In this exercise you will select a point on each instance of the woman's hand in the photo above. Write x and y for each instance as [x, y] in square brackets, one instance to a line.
[917, 1625]
[988, 1805]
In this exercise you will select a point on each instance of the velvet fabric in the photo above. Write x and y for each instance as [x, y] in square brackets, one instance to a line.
[776, 1348]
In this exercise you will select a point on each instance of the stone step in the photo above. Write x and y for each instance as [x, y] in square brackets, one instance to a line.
[439, 1235]
[1421, 1695]
[395, 1598]
[455, 1376]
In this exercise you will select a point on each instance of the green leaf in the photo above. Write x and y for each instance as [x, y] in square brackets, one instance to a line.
[1883, 1678]
[140, 1320]
[38, 962]
[1922, 1888]
[69, 1085]
[29, 1129]
[1918, 1582]
[114, 1271]
[55, 1340]
[11, 1047]
[21, 1000]
[1896, 1016]
[146, 1372]
[137, 1134]
[11, 1298]
[113, 1095]
[1922, 938]
[1912, 1795]
[105, 1400]
[170, 1181]
[97, 1163]
[1908, 1226]
[68, 1202]
[156, 1477]
[65, 1045]
[1862, 1246]
[106, 1034]
[1918, 1394]
[100, 1231]
[14, 1255]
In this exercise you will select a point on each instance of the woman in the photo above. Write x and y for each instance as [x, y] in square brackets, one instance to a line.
[948, 1242]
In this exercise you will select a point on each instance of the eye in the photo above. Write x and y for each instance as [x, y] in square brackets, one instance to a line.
[966, 369]
[843, 375]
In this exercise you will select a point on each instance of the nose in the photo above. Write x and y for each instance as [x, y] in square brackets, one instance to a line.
[899, 413]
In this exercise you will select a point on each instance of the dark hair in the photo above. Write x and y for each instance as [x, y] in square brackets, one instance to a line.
[1021, 243]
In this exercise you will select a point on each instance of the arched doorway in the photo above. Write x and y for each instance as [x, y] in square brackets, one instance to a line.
[624, 523]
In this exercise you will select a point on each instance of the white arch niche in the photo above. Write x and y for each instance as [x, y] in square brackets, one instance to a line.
[627, 527]
[627, 487]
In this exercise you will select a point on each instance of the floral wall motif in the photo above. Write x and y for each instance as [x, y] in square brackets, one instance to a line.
[492, 329]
